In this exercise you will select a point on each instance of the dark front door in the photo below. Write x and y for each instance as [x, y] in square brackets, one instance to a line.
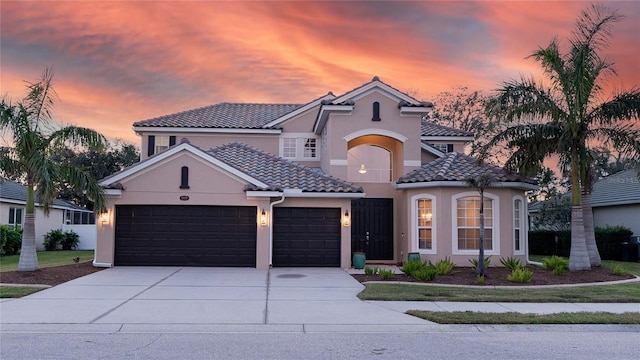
[372, 228]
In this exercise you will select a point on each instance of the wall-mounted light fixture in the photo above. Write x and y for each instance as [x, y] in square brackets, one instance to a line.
[362, 170]
[263, 218]
[346, 219]
[104, 217]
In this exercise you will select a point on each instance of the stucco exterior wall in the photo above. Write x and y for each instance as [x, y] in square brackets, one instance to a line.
[44, 223]
[624, 215]
[444, 212]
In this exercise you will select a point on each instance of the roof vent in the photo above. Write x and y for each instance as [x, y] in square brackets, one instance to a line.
[375, 78]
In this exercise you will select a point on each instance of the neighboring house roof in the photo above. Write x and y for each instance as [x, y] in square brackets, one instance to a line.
[432, 129]
[618, 189]
[13, 192]
[279, 173]
[457, 168]
[224, 115]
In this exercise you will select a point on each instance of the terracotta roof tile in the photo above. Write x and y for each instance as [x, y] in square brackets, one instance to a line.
[457, 167]
[432, 129]
[278, 173]
[224, 115]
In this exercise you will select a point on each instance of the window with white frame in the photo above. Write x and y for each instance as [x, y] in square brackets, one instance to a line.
[518, 223]
[76, 217]
[162, 143]
[445, 148]
[424, 220]
[300, 148]
[468, 223]
[15, 217]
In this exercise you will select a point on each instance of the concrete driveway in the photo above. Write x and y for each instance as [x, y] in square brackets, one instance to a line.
[188, 296]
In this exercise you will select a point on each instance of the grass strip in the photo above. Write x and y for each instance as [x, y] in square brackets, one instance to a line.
[622, 293]
[17, 291]
[578, 318]
[47, 259]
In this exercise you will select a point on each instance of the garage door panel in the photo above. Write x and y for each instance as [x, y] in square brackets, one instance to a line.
[306, 237]
[185, 235]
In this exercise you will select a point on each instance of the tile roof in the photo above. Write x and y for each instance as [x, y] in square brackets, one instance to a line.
[457, 167]
[617, 189]
[224, 115]
[11, 190]
[278, 173]
[432, 129]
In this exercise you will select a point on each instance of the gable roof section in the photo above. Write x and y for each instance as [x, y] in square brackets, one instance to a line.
[113, 181]
[454, 169]
[404, 98]
[222, 116]
[12, 192]
[618, 189]
[279, 174]
[431, 129]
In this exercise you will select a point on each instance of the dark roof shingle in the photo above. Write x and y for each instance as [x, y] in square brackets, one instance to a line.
[224, 115]
[457, 167]
[432, 129]
[11, 190]
[278, 173]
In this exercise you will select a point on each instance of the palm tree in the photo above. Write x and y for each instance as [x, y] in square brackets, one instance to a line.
[28, 157]
[564, 115]
[480, 183]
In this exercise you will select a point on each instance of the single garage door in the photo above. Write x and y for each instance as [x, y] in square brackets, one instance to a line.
[306, 237]
[166, 235]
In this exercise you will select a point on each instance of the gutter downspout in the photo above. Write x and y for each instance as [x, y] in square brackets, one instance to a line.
[280, 201]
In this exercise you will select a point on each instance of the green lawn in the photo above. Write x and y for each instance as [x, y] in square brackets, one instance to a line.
[17, 291]
[47, 259]
[469, 317]
[622, 293]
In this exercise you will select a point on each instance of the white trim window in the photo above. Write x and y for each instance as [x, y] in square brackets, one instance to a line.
[16, 217]
[161, 144]
[466, 224]
[518, 226]
[423, 223]
[299, 147]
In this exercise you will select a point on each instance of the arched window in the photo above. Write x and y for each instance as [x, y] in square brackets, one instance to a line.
[369, 163]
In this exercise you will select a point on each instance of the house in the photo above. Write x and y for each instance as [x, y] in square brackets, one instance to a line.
[615, 200]
[260, 185]
[62, 215]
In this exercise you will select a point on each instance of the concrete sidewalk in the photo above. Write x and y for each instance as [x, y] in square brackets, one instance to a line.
[232, 299]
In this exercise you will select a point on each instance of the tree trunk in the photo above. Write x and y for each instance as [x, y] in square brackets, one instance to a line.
[28, 257]
[481, 271]
[589, 232]
[579, 256]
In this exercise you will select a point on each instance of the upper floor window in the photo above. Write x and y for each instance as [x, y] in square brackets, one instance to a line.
[159, 143]
[445, 148]
[369, 163]
[467, 223]
[299, 148]
[15, 217]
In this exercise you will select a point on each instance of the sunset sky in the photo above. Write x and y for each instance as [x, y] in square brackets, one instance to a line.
[119, 62]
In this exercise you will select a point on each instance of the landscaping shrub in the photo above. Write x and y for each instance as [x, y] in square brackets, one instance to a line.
[556, 263]
[386, 274]
[480, 279]
[10, 240]
[618, 269]
[511, 262]
[70, 241]
[520, 275]
[444, 266]
[53, 240]
[370, 271]
[425, 274]
[608, 239]
[412, 266]
[474, 263]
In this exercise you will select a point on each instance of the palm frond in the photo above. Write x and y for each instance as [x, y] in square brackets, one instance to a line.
[524, 100]
[78, 136]
[84, 182]
[40, 99]
[625, 107]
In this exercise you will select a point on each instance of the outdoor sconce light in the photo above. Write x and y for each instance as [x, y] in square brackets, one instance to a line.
[346, 220]
[104, 217]
[263, 218]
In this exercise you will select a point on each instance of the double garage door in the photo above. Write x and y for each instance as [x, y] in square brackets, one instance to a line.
[171, 235]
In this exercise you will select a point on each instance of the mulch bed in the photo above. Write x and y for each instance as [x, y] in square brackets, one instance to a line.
[498, 277]
[49, 275]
